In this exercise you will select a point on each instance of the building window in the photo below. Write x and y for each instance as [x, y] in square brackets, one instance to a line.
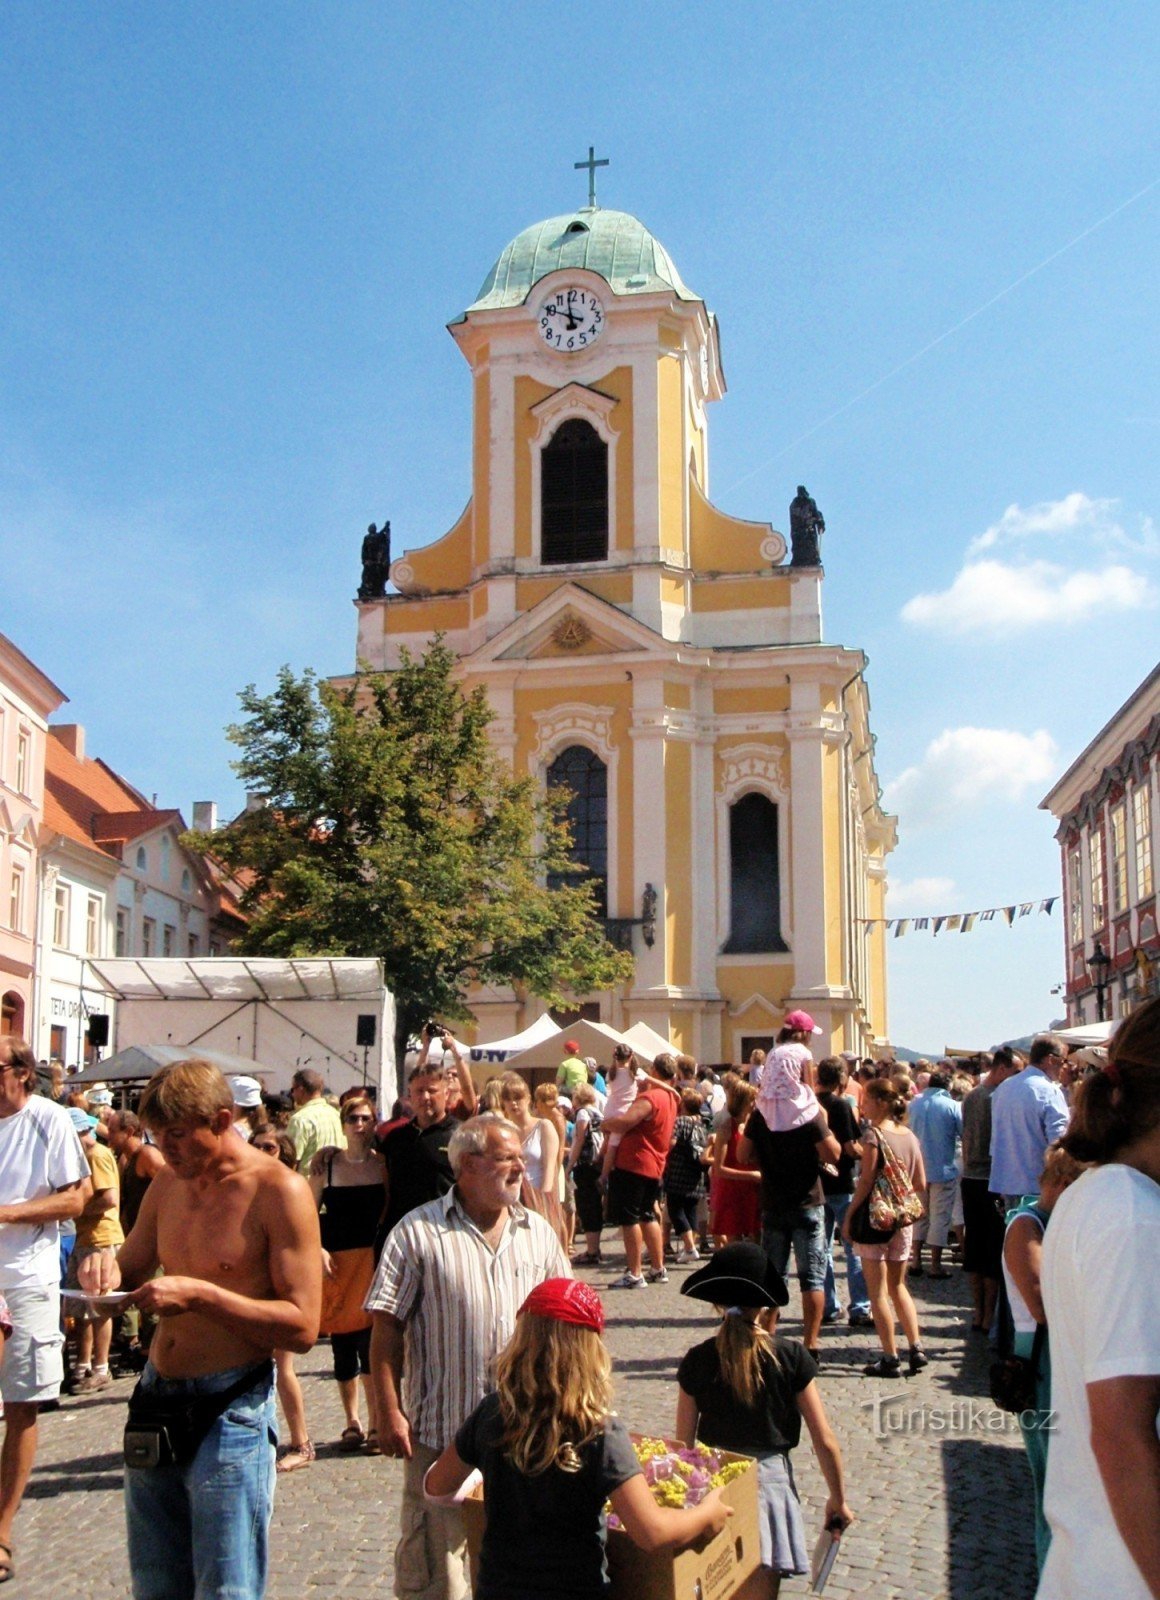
[186, 882]
[93, 926]
[16, 900]
[169, 940]
[1075, 896]
[194, 945]
[1119, 826]
[142, 860]
[148, 936]
[1142, 829]
[580, 770]
[754, 877]
[574, 495]
[1096, 869]
[23, 761]
[60, 908]
[121, 945]
[165, 858]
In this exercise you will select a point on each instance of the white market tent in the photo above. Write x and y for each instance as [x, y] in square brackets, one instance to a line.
[648, 1042]
[1086, 1033]
[541, 1060]
[497, 1053]
[282, 1014]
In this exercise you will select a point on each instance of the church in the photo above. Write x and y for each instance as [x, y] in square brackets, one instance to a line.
[662, 659]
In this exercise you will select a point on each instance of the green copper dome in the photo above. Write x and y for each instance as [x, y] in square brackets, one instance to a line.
[611, 243]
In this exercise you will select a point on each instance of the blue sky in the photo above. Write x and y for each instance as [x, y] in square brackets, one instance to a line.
[230, 238]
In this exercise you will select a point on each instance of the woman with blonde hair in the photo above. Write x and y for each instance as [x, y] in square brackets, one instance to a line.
[551, 1451]
[884, 1265]
[541, 1147]
[1101, 1297]
[546, 1103]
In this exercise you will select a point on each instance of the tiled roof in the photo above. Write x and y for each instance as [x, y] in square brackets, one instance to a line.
[117, 827]
[87, 802]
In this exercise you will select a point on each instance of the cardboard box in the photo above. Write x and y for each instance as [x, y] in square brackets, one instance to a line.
[713, 1569]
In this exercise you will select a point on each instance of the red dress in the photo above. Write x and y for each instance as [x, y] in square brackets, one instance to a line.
[734, 1203]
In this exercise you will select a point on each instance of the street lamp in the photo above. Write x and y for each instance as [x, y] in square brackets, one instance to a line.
[1098, 963]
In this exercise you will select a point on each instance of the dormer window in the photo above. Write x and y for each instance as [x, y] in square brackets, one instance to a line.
[576, 227]
[574, 495]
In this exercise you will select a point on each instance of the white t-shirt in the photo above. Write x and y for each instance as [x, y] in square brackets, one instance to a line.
[1101, 1292]
[39, 1153]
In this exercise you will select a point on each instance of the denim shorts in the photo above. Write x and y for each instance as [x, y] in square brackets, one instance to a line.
[802, 1228]
[202, 1530]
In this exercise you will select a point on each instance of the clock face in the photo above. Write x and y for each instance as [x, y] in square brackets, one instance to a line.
[570, 319]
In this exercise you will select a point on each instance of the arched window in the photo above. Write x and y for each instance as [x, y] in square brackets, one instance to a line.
[577, 768]
[574, 495]
[754, 879]
[12, 1013]
[141, 858]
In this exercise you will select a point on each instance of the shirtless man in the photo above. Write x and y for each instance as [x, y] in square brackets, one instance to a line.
[237, 1237]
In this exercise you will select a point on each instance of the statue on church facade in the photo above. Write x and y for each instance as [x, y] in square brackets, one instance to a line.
[376, 562]
[806, 525]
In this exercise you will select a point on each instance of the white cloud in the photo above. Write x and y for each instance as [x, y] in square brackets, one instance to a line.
[966, 767]
[989, 596]
[1074, 513]
[915, 895]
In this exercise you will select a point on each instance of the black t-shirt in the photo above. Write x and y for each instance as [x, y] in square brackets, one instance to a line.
[773, 1422]
[417, 1167]
[545, 1535]
[790, 1170]
[844, 1127]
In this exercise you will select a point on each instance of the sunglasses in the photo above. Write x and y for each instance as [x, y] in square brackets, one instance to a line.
[358, 1116]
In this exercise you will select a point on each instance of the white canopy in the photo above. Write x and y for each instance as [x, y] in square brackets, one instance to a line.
[1086, 1033]
[241, 978]
[594, 1039]
[648, 1041]
[498, 1052]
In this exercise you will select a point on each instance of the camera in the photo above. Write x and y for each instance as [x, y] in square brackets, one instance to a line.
[434, 1030]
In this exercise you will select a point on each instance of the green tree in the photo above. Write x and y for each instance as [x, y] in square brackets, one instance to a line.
[390, 827]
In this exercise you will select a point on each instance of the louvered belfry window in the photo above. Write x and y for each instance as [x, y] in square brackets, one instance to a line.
[754, 878]
[574, 495]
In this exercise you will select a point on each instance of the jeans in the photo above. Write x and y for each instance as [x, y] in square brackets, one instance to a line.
[836, 1207]
[804, 1229]
[201, 1532]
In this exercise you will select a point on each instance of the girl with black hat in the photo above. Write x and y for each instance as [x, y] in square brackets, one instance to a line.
[748, 1390]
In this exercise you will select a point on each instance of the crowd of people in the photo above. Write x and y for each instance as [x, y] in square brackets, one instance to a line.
[436, 1249]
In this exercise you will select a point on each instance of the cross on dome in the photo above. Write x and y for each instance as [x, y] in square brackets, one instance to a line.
[592, 163]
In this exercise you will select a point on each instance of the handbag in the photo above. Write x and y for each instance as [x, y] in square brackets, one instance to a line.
[1014, 1379]
[893, 1201]
[862, 1230]
[167, 1430]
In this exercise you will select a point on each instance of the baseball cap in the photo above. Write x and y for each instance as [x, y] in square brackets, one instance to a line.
[81, 1120]
[247, 1092]
[572, 1047]
[801, 1022]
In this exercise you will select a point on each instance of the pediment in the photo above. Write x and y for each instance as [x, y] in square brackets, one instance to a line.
[570, 623]
[20, 826]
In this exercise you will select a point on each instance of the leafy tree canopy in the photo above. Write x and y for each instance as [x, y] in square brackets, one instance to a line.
[391, 827]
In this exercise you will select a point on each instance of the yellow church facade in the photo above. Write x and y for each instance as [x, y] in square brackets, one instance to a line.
[662, 659]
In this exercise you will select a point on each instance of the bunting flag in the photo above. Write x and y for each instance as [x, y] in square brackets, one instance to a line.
[959, 921]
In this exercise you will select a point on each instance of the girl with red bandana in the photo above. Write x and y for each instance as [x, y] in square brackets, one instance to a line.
[551, 1453]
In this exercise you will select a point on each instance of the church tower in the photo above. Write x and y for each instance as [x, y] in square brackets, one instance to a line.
[661, 658]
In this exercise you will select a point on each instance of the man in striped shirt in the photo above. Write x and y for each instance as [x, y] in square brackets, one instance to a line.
[452, 1276]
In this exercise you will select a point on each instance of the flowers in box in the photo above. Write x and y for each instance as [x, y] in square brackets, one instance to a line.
[681, 1476]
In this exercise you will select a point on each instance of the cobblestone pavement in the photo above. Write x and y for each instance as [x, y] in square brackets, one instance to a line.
[942, 1492]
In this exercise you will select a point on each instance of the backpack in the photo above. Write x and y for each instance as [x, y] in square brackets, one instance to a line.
[593, 1146]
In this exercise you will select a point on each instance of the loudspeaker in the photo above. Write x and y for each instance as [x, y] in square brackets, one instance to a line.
[98, 1030]
[367, 1029]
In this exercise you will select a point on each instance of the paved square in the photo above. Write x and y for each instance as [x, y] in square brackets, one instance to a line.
[937, 1478]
